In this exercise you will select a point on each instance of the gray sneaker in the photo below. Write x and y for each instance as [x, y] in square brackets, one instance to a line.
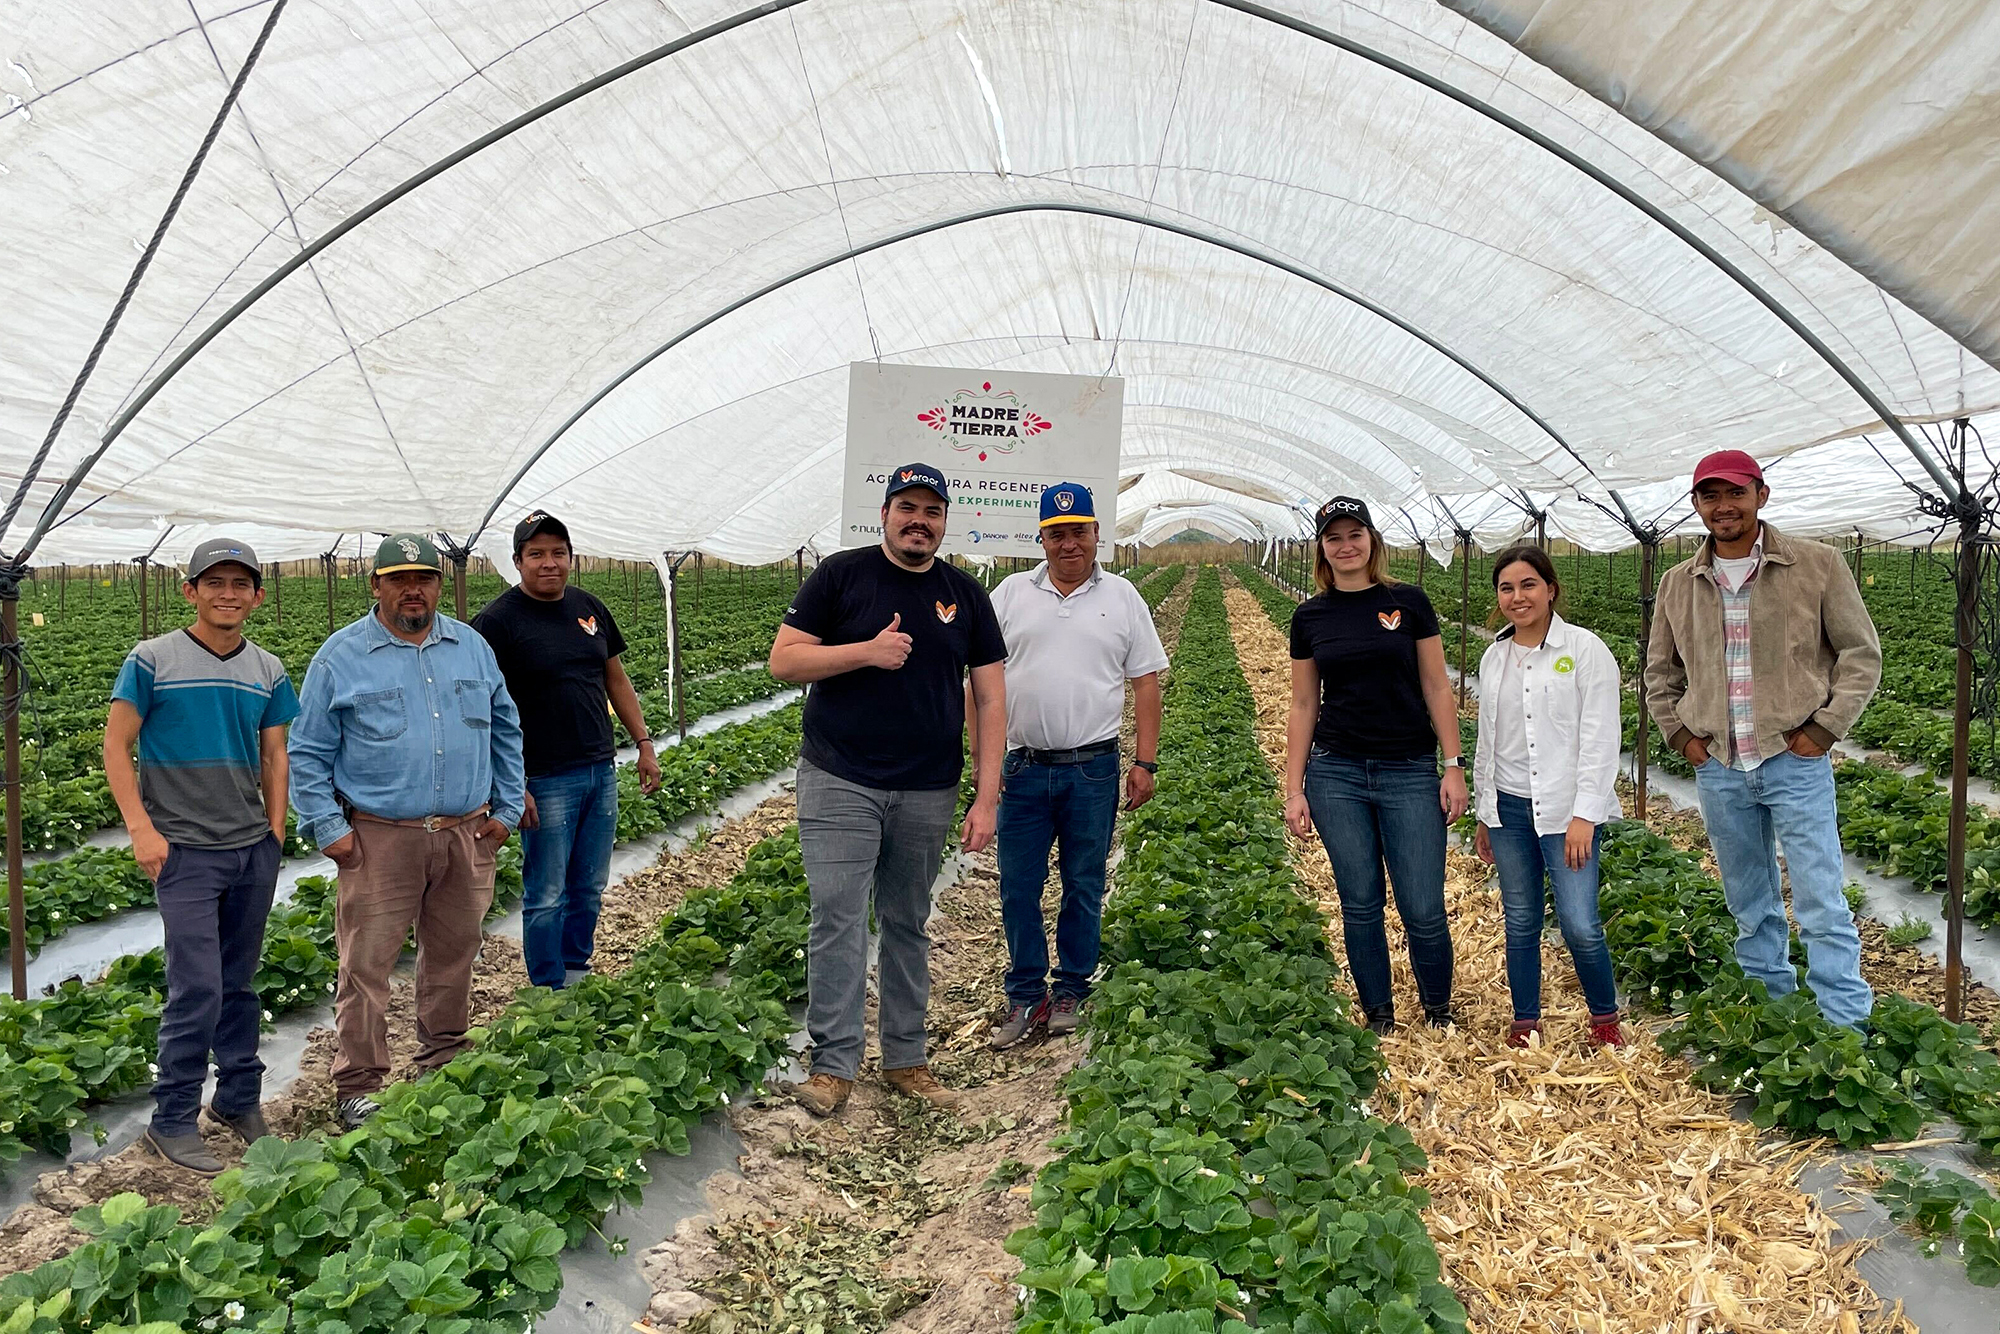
[1020, 1022]
[1063, 1018]
[248, 1126]
[186, 1151]
[353, 1111]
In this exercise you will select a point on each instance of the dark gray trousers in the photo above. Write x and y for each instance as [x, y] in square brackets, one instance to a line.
[861, 843]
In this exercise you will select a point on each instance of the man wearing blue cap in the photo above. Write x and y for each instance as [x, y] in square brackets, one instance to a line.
[885, 634]
[1075, 635]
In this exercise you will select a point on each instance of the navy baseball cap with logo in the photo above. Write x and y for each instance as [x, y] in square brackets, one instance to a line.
[916, 474]
[1342, 507]
[1067, 502]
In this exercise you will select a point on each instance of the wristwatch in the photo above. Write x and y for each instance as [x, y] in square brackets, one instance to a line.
[1455, 762]
[1148, 765]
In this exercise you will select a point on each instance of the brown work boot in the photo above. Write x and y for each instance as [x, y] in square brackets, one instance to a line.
[822, 1095]
[914, 1081]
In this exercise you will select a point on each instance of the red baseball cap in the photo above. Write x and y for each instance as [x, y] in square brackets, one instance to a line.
[1730, 465]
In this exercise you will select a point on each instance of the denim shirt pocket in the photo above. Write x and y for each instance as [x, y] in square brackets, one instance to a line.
[381, 715]
[475, 702]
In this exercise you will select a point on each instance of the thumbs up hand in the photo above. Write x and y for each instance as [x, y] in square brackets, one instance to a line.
[891, 648]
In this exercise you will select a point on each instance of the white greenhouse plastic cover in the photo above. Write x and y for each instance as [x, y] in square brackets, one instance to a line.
[1219, 208]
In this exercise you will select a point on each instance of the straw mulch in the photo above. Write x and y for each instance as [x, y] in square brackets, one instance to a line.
[1573, 1190]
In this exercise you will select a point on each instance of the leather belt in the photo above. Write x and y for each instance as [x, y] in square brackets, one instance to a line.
[1077, 756]
[430, 824]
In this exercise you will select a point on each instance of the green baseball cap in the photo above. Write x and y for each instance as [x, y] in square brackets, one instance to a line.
[407, 551]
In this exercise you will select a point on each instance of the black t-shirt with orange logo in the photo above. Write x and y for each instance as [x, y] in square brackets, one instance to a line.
[1371, 701]
[902, 730]
[553, 655]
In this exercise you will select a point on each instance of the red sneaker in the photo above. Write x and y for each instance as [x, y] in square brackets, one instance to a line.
[1518, 1032]
[1605, 1032]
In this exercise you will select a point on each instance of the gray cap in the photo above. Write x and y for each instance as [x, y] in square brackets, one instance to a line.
[223, 551]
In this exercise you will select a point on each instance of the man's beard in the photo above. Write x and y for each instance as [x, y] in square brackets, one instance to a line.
[414, 625]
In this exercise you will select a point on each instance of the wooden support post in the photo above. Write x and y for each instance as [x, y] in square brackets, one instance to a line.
[328, 561]
[1464, 608]
[674, 643]
[1965, 621]
[457, 559]
[1640, 743]
[10, 704]
[145, 585]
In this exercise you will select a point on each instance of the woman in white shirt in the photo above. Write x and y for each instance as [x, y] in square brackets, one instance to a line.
[1544, 780]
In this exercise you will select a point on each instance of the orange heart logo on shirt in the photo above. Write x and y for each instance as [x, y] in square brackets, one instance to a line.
[946, 614]
[1390, 619]
[589, 626]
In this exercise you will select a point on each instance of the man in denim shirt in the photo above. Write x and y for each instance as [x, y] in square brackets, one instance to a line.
[406, 771]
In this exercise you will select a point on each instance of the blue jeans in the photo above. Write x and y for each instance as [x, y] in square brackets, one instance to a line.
[213, 903]
[1525, 860]
[1366, 812]
[565, 861]
[1072, 807]
[1787, 799]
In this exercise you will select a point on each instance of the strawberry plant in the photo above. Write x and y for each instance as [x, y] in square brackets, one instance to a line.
[1928, 1203]
[90, 1042]
[448, 1209]
[1670, 932]
[1218, 1173]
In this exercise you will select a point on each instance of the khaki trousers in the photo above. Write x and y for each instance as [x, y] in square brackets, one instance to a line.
[442, 883]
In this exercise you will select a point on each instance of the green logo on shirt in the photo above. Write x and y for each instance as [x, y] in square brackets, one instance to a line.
[1565, 664]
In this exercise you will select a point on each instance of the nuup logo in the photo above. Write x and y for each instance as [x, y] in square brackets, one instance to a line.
[1391, 620]
[1565, 664]
[946, 614]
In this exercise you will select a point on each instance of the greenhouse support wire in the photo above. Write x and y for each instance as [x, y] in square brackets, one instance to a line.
[139, 271]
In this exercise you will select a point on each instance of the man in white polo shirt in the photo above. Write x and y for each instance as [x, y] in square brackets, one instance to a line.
[1075, 635]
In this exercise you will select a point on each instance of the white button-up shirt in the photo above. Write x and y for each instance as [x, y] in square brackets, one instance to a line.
[1564, 701]
[1068, 658]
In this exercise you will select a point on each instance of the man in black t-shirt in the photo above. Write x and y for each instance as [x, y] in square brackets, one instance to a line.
[559, 649]
[886, 635]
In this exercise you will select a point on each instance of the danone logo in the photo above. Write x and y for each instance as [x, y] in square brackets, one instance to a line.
[1391, 620]
[946, 614]
[1565, 664]
[984, 420]
[589, 624]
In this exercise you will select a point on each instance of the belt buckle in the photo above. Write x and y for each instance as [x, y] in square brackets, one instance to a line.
[430, 824]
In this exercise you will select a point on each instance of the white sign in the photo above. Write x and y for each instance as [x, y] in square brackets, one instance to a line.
[999, 437]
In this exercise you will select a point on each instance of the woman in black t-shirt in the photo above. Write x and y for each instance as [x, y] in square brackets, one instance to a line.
[1371, 703]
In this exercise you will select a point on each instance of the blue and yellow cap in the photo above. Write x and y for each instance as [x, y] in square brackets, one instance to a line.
[1067, 502]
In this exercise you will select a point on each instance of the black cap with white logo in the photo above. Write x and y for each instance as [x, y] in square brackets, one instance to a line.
[1342, 507]
[539, 522]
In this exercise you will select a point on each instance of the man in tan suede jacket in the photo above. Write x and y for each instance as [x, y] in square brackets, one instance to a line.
[1762, 657]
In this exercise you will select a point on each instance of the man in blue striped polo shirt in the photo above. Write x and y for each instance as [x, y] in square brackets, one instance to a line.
[206, 810]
